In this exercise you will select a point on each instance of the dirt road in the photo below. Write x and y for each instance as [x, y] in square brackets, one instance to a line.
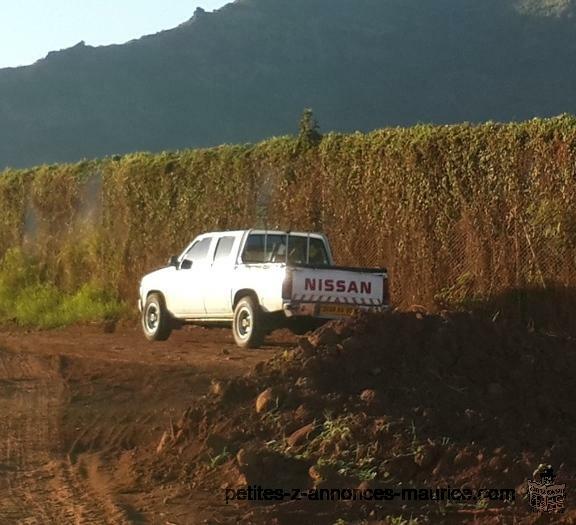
[99, 428]
[78, 407]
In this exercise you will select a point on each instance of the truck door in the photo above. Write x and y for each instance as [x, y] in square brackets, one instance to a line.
[190, 280]
[218, 296]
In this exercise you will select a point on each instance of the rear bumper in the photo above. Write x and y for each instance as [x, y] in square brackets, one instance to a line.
[329, 310]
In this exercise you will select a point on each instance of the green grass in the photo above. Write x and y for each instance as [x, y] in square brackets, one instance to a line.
[219, 459]
[28, 299]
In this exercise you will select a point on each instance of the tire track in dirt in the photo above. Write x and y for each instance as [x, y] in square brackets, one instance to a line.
[38, 484]
[30, 400]
[81, 415]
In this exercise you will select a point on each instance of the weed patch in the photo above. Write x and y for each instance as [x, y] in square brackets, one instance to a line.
[28, 299]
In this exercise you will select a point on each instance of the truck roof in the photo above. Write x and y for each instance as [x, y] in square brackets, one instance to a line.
[261, 231]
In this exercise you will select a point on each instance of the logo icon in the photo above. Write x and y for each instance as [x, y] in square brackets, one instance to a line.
[545, 496]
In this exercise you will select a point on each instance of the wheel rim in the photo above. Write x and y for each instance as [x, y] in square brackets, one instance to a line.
[244, 323]
[152, 318]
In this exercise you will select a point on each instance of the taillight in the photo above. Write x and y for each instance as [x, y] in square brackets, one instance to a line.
[287, 286]
[385, 290]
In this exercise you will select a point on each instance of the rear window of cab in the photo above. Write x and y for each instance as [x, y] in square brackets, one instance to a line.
[277, 248]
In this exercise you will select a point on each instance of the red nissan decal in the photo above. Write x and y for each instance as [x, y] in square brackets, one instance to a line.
[340, 286]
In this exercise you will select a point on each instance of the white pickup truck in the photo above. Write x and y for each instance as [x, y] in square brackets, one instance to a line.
[256, 280]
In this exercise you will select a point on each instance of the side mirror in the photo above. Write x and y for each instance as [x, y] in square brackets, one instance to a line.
[173, 261]
[186, 264]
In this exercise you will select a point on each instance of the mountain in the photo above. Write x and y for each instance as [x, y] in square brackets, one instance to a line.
[247, 71]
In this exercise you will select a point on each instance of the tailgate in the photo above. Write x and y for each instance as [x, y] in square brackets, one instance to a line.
[340, 285]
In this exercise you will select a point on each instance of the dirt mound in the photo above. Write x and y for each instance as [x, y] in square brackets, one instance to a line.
[408, 400]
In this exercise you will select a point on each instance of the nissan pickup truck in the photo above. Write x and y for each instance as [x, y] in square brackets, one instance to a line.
[256, 281]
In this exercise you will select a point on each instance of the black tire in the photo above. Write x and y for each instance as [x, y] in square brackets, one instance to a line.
[156, 320]
[248, 325]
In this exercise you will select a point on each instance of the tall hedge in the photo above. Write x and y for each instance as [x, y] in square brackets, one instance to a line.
[459, 214]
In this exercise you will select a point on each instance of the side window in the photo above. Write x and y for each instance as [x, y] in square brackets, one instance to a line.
[197, 253]
[223, 248]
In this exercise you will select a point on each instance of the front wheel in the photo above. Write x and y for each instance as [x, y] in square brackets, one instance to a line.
[156, 320]
[248, 324]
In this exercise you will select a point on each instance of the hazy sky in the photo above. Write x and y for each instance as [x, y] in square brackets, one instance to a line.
[29, 29]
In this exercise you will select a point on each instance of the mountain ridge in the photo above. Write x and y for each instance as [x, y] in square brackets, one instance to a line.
[246, 72]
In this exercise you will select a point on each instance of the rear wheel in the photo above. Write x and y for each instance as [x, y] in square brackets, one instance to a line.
[156, 320]
[248, 324]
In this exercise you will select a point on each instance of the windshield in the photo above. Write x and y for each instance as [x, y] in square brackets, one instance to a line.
[262, 248]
